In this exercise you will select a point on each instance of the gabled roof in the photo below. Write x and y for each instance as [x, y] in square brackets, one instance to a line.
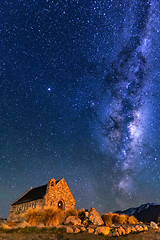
[32, 194]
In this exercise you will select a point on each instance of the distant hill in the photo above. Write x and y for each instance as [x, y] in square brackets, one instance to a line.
[146, 213]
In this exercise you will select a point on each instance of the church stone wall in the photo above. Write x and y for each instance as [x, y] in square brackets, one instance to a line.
[59, 196]
[16, 211]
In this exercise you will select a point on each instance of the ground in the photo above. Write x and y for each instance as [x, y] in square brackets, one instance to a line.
[148, 235]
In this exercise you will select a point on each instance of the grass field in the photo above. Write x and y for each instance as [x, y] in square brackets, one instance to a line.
[50, 235]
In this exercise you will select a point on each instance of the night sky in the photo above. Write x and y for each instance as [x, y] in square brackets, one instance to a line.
[80, 99]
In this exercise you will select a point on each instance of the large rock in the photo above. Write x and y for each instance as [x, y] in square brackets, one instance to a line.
[133, 229]
[83, 229]
[90, 230]
[153, 225]
[73, 220]
[69, 229]
[115, 233]
[145, 228]
[127, 230]
[95, 218]
[76, 230]
[121, 231]
[72, 230]
[24, 224]
[139, 228]
[5, 226]
[86, 222]
[102, 230]
[41, 225]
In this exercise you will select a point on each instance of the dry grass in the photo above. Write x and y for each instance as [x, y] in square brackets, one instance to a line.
[107, 219]
[34, 216]
[81, 214]
[121, 219]
[71, 212]
[113, 218]
[132, 220]
[52, 217]
[47, 216]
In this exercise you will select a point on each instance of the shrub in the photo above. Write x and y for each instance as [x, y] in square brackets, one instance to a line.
[119, 218]
[52, 217]
[48, 216]
[33, 216]
[81, 214]
[71, 212]
[132, 220]
[110, 218]
[107, 219]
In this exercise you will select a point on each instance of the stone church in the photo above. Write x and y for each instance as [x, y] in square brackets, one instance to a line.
[56, 194]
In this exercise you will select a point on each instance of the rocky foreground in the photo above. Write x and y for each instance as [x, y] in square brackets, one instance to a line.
[92, 224]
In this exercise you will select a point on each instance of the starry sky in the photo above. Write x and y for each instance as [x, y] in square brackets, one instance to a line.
[80, 99]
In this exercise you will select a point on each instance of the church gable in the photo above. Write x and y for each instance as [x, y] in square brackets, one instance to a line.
[59, 196]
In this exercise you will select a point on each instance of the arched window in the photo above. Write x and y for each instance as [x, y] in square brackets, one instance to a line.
[52, 184]
[60, 205]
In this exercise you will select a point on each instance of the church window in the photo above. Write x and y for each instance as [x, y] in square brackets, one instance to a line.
[60, 205]
[52, 184]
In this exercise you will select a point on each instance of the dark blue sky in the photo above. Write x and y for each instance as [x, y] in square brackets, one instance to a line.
[79, 84]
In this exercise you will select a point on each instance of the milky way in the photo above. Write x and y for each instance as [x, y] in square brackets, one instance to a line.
[128, 84]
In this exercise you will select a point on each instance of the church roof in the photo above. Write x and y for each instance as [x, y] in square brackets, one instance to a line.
[32, 194]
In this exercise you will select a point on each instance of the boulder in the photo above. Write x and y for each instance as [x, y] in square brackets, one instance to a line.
[86, 222]
[115, 234]
[73, 220]
[145, 228]
[69, 229]
[95, 218]
[127, 230]
[153, 225]
[139, 228]
[86, 214]
[121, 231]
[83, 229]
[76, 230]
[133, 229]
[90, 230]
[41, 225]
[102, 230]
[5, 226]
[72, 229]
[24, 224]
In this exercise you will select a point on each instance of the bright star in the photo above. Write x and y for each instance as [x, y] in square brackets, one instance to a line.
[49, 89]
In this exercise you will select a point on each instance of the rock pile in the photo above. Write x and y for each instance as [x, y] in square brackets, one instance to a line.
[93, 224]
